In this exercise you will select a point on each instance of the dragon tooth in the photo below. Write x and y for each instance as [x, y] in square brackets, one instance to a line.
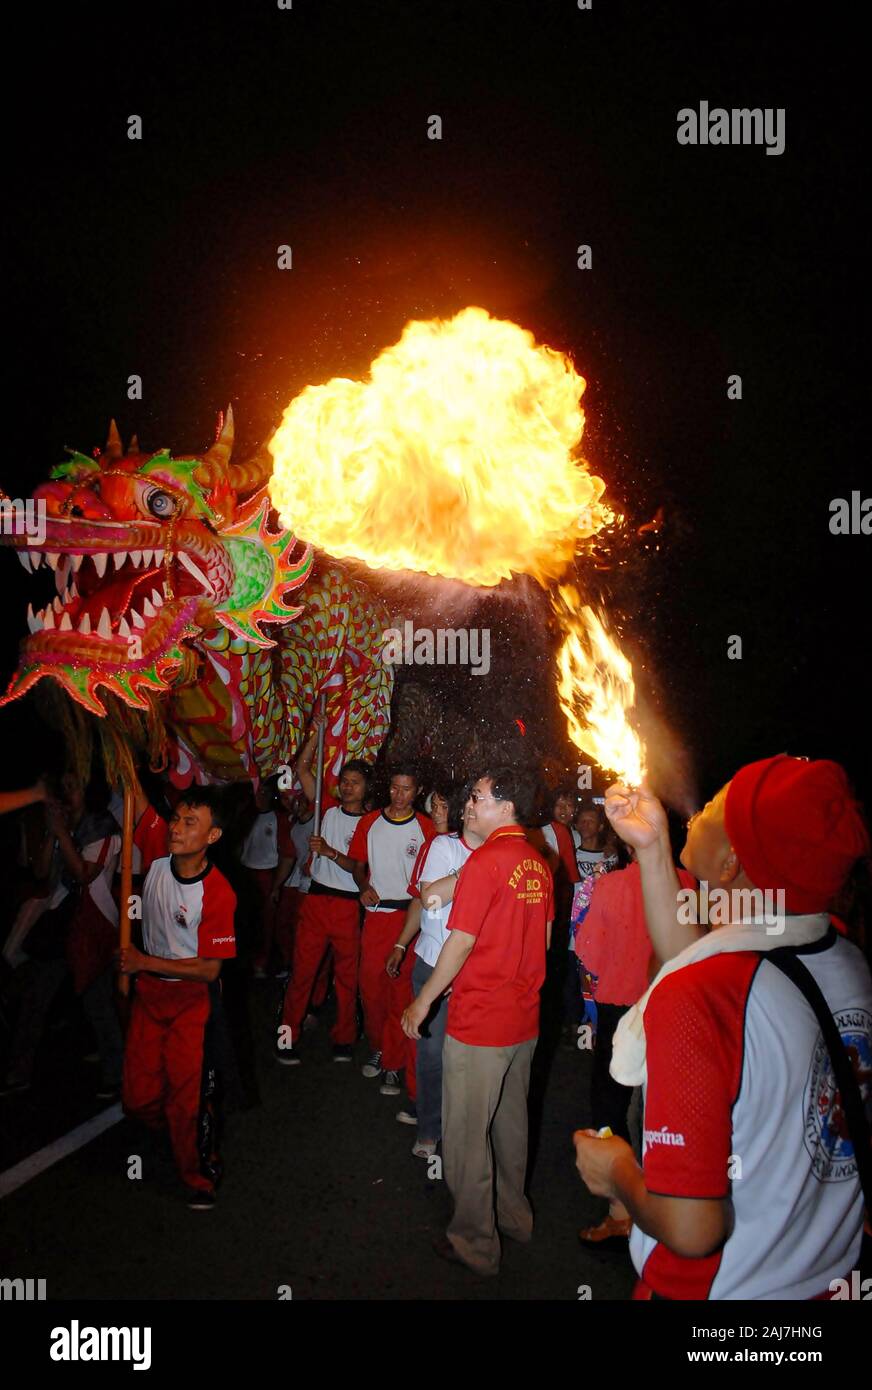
[66, 625]
[119, 556]
[32, 619]
[57, 605]
[136, 557]
[25, 560]
[51, 558]
[156, 598]
[146, 558]
[72, 591]
[77, 562]
[158, 557]
[123, 626]
[148, 610]
[137, 618]
[35, 558]
[100, 563]
[104, 627]
[197, 573]
[85, 624]
[48, 619]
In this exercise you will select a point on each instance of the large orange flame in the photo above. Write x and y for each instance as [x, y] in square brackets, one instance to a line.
[455, 458]
[596, 690]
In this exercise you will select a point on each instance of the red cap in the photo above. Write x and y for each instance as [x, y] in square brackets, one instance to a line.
[795, 825]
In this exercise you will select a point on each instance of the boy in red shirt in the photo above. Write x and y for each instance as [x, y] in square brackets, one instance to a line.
[385, 846]
[187, 930]
[499, 931]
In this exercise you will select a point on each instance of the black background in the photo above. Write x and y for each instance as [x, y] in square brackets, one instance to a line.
[309, 127]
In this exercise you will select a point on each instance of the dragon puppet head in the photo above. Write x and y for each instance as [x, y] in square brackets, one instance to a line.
[148, 552]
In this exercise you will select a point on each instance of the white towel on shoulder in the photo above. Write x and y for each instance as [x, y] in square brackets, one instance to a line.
[628, 1065]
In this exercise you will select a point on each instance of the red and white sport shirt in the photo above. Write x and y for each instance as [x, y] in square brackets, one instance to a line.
[741, 1103]
[187, 917]
[390, 847]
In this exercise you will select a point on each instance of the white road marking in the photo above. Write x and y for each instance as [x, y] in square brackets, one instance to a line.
[77, 1138]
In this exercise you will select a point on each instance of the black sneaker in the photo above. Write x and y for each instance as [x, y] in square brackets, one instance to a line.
[372, 1065]
[288, 1056]
[200, 1201]
[109, 1093]
[342, 1053]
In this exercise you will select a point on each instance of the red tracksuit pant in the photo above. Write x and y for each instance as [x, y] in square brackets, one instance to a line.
[262, 880]
[325, 921]
[384, 999]
[163, 1065]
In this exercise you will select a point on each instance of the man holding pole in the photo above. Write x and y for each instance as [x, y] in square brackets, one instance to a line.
[187, 930]
[330, 911]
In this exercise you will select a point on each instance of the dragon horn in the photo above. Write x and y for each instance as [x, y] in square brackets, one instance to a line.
[114, 448]
[245, 477]
[133, 446]
[241, 477]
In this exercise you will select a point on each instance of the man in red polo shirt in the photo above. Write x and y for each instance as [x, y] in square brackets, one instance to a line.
[499, 932]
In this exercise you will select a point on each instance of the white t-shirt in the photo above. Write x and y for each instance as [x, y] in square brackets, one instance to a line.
[550, 838]
[101, 888]
[446, 853]
[741, 1102]
[299, 877]
[337, 828]
[390, 848]
[261, 850]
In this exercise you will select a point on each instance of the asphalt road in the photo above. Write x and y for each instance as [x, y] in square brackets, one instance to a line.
[321, 1194]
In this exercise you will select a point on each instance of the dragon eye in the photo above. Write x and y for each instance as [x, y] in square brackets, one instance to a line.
[161, 504]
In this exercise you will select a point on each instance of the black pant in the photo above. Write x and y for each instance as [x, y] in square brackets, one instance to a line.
[609, 1099]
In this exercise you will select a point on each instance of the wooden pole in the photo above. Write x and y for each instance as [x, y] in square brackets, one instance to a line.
[319, 767]
[126, 878]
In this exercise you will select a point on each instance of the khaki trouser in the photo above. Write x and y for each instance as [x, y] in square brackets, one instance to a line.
[484, 1127]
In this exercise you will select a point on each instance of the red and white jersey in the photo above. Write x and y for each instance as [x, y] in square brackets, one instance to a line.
[390, 847]
[337, 828]
[187, 917]
[741, 1102]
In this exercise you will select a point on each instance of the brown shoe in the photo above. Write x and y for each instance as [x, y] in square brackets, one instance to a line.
[608, 1235]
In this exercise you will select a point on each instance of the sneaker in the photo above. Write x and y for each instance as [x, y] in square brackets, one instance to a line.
[342, 1053]
[391, 1084]
[372, 1065]
[107, 1093]
[407, 1117]
[287, 1057]
[198, 1200]
[424, 1148]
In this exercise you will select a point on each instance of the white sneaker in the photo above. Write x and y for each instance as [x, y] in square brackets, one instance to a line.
[407, 1117]
[372, 1065]
[424, 1148]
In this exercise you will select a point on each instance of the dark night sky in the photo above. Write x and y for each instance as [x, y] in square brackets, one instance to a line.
[309, 126]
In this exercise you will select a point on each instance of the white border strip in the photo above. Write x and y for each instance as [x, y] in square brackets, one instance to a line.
[45, 1158]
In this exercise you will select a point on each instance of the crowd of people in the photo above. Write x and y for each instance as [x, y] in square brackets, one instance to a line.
[728, 1133]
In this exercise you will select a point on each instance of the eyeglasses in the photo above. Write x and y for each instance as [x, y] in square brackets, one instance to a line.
[476, 797]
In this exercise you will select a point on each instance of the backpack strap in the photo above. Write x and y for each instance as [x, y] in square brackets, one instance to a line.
[785, 959]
